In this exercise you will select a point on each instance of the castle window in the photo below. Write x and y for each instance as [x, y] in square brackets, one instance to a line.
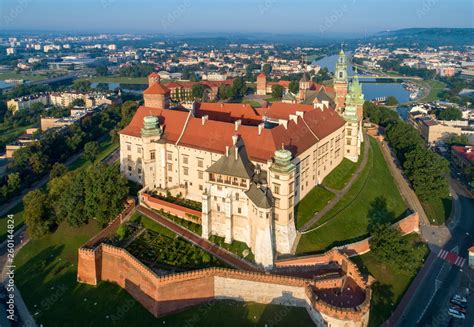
[277, 203]
[200, 187]
[185, 160]
[200, 174]
[152, 155]
[277, 176]
[236, 196]
[170, 167]
[200, 163]
[218, 208]
[276, 189]
[340, 74]
[170, 179]
[139, 171]
[129, 147]
[239, 211]
[129, 168]
[349, 132]
[185, 171]
[129, 158]
[139, 149]
[348, 141]
[169, 155]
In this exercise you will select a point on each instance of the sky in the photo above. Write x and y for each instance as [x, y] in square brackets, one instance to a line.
[324, 17]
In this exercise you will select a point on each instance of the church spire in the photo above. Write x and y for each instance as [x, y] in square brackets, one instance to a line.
[341, 68]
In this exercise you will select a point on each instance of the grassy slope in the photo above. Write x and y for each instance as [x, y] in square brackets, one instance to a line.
[348, 220]
[313, 202]
[391, 283]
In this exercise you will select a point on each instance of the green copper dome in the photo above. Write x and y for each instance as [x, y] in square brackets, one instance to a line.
[282, 161]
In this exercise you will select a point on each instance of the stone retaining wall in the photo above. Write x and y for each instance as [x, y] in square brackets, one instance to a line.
[171, 208]
[162, 295]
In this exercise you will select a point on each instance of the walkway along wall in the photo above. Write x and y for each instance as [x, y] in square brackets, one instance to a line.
[162, 295]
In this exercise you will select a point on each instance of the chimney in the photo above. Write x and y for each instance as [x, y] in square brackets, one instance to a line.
[284, 123]
[294, 118]
[261, 126]
[204, 119]
[235, 138]
[237, 124]
[226, 150]
[300, 114]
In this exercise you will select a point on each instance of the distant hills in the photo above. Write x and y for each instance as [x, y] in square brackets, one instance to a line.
[426, 37]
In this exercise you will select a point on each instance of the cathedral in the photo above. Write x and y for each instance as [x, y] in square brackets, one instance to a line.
[248, 167]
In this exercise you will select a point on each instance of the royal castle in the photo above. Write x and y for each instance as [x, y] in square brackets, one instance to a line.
[249, 167]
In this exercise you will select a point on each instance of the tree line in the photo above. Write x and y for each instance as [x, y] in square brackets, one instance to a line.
[426, 170]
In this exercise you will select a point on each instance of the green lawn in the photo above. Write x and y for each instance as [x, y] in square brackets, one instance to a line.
[438, 210]
[391, 283]
[28, 76]
[151, 225]
[435, 87]
[340, 176]
[253, 103]
[119, 80]
[106, 148]
[313, 202]
[348, 220]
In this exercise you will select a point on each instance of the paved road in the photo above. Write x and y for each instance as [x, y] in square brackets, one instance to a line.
[341, 193]
[207, 246]
[426, 304]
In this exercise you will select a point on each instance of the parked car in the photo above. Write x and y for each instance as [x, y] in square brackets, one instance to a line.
[459, 298]
[456, 314]
[457, 308]
[461, 304]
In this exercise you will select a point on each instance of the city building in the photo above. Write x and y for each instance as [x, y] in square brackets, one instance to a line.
[248, 166]
[463, 156]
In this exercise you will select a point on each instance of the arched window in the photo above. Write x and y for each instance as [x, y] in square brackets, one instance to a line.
[340, 74]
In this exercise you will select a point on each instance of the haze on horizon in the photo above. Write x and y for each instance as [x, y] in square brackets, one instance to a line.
[326, 17]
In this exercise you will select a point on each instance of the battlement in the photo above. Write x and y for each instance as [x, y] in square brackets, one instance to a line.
[163, 295]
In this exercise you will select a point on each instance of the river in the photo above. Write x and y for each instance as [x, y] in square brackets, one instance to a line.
[371, 89]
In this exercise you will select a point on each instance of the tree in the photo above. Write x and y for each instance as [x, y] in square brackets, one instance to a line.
[198, 91]
[81, 85]
[294, 86]
[239, 88]
[66, 196]
[226, 92]
[267, 69]
[389, 245]
[391, 101]
[13, 182]
[78, 103]
[102, 70]
[426, 171]
[37, 214]
[277, 91]
[449, 114]
[57, 170]
[91, 150]
[105, 190]
[454, 139]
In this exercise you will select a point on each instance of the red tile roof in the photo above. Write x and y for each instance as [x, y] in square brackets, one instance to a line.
[281, 110]
[216, 134]
[157, 88]
[466, 151]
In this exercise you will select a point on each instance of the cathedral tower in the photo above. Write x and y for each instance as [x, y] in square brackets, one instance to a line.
[340, 81]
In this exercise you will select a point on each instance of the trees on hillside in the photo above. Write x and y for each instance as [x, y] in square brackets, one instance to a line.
[91, 150]
[391, 101]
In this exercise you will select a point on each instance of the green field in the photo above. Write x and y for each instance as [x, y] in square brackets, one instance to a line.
[26, 76]
[348, 221]
[106, 148]
[434, 86]
[340, 176]
[119, 80]
[313, 202]
[438, 210]
[391, 283]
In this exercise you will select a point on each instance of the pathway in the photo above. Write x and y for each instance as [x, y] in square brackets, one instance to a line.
[204, 244]
[340, 194]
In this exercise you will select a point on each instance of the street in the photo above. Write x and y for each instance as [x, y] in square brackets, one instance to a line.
[429, 304]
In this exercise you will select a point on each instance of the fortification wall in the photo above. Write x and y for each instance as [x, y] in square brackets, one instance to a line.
[408, 225]
[168, 294]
